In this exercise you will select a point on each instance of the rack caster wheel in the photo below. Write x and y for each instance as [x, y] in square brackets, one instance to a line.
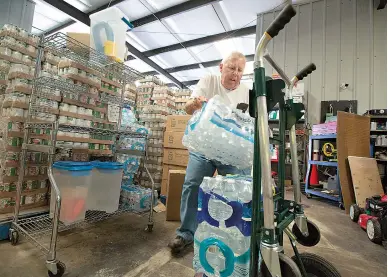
[149, 227]
[312, 239]
[14, 236]
[288, 267]
[61, 268]
[315, 265]
[309, 196]
[341, 206]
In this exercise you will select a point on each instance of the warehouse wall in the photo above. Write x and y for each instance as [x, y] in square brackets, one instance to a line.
[346, 39]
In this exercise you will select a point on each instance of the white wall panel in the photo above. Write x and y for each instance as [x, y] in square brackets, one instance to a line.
[347, 42]
[380, 57]
[291, 33]
[363, 82]
[347, 48]
[278, 51]
[315, 92]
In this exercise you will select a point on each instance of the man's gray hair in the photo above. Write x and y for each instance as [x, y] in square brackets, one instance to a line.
[233, 55]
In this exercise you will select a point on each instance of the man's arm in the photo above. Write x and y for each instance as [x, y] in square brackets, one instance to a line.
[200, 95]
[194, 104]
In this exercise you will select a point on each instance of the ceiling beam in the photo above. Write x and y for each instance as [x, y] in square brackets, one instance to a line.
[71, 21]
[174, 10]
[69, 10]
[204, 40]
[151, 63]
[84, 18]
[213, 63]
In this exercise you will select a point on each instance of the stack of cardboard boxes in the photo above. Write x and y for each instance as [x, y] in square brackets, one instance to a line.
[175, 160]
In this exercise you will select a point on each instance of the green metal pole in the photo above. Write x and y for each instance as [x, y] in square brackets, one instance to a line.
[259, 85]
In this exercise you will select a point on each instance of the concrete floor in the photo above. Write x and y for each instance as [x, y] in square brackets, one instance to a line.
[119, 247]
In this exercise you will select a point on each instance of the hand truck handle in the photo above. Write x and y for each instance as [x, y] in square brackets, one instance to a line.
[281, 20]
[305, 71]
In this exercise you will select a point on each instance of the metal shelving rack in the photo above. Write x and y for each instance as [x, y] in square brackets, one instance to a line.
[301, 141]
[308, 189]
[35, 228]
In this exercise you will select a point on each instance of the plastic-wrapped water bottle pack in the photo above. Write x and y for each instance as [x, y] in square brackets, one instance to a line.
[131, 164]
[132, 143]
[136, 198]
[129, 122]
[222, 239]
[221, 133]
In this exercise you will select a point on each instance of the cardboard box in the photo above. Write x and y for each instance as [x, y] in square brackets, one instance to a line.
[166, 169]
[176, 179]
[175, 156]
[173, 140]
[84, 38]
[177, 123]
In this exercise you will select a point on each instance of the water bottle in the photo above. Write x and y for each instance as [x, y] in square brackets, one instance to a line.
[222, 239]
[221, 133]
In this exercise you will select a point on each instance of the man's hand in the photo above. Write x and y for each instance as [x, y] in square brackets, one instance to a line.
[194, 104]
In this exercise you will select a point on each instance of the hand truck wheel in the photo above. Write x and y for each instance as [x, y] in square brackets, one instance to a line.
[149, 227]
[312, 239]
[315, 265]
[341, 206]
[61, 268]
[288, 267]
[13, 236]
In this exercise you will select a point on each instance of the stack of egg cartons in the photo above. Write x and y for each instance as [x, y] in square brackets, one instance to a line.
[18, 53]
[181, 98]
[130, 93]
[154, 102]
[222, 239]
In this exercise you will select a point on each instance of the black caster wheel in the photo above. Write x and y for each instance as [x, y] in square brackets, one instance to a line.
[373, 230]
[341, 206]
[312, 239]
[309, 196]
[14, 237]
[61, 268]
[355, 212]
[288, 267]
[149, 227]
[316, 266]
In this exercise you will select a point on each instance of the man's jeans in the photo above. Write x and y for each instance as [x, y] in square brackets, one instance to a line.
[198, 168]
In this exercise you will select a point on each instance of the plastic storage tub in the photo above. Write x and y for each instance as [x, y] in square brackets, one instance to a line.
[107, 32]
[73, 180]
[104, 192]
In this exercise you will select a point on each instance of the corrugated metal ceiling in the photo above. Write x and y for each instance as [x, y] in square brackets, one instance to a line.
[215, 18]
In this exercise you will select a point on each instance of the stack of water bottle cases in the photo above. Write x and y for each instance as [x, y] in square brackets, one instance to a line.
[222, 240]
[132, 197]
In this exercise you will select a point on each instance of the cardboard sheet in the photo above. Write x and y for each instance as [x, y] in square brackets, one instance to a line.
[353, 136]
[365, 177]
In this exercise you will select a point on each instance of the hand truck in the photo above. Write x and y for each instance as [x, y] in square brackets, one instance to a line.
[267, 253]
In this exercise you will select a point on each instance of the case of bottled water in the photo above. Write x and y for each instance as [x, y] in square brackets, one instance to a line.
[221, 133]
[136, 198]
[222, 239]
[131, 164]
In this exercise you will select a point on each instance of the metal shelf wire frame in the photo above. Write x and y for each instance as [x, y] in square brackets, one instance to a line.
[45, 88]
[74, 50]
